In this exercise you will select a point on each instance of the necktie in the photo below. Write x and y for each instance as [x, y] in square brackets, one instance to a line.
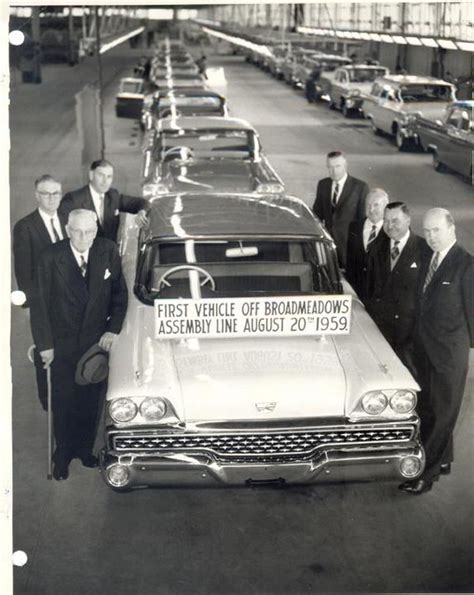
[55, 232]
[83, 266]
[431, 270]
[395, 253]
[100, 214]
[335, 194]
[372, 236]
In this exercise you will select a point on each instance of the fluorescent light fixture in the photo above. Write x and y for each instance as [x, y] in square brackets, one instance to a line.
[399, 39]
[108, 46]
[259, 49]
[386, 38]
[413, 40]
[365, 36]
[356, 35]
[466, 46]
[375, 37]
[447, 44]
[159, 14]
[429, 42]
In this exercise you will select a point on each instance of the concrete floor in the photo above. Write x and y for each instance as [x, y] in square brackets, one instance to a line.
[81, 537]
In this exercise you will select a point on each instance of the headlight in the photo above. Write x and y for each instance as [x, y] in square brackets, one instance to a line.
[153, 408]
[374, 403]
[355, 93]
[403, 401]
[269, 188]
[122, 410]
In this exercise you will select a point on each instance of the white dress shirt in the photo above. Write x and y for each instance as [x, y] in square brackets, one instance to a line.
[340, 185]
[47, 222]
[77, 255]
[367, 230]
[401, 243]
[98, 200]
[443, 253]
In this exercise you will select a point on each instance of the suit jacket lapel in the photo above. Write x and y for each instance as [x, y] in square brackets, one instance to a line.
[445, 265]
[41, 228]
[346, 192]
[109, 210]
[406, 253]
[69, 270]
[96, 271]
[91, 206]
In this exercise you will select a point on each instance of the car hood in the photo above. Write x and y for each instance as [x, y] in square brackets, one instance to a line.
[208, 175]
[254, 378]
[429, 110]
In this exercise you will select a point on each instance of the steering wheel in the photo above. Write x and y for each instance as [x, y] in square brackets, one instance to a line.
[181, 152]
[186, 267]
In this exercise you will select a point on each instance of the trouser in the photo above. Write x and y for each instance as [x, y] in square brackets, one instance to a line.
[438, 407]
[75, 409]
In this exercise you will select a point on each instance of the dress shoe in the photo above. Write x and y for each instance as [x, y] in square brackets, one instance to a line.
[416, 487]
[445, 469]
[89, 460]
[60, 470]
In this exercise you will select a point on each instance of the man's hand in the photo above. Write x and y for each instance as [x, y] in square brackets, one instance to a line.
[47, 356]
[142, 218]
[106, 341]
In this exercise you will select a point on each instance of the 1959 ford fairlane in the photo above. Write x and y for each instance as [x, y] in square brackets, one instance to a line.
[246, 358]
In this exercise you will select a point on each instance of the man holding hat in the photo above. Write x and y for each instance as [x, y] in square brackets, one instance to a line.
[81, 305]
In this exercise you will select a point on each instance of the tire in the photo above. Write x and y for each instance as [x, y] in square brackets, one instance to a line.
[375, 129]
[400, 141]
[437, 164]
[345, 112]
[332, 103]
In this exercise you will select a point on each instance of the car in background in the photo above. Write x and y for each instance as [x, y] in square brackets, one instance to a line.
[395, 101]
[216, 154]
[451, 140]
[173, 81]
[324, 63]
[242, 360]
[182, 102]
[129, 99]
[347, 86]
[292, 61]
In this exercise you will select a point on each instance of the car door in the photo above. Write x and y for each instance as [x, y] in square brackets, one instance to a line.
[456, 151]
[335, 90]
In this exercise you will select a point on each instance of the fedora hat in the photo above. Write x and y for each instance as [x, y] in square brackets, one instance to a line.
[93, 366]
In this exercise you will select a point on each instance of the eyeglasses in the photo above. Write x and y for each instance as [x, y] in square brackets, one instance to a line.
[49, 194]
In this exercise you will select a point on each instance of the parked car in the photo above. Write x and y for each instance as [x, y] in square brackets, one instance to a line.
[395, 101]
[182, 102]
[451, 140]
[293, 59]
[129, 99]
[347, 86]
[242, 361]
[195, 81]
[325, 63]
[215, 154]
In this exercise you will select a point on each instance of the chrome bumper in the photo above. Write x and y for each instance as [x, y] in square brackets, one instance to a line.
[329, 463]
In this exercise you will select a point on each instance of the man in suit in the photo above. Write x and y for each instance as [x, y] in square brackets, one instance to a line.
[340, 199]
[443, 335]
[81, 301]
[31, 235]
[392, 275]
[364, 236]
[105, 201]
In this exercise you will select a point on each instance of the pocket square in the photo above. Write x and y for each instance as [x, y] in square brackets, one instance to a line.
[116, 212]
[446, 283]
[413, 265]
[107, 274]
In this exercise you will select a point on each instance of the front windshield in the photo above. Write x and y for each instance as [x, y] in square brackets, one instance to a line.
[365, 75]
[210, 143]
[428, 93]
[238, 268]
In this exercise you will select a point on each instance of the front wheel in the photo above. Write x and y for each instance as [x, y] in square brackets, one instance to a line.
[345, 111]
[400, 140]
[437, 164]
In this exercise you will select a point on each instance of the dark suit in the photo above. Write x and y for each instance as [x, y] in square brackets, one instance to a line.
[357, 257]
[114, 204]
[443, 335]
[30, 237]
[350, 206]
[70, 315]
[392, 294]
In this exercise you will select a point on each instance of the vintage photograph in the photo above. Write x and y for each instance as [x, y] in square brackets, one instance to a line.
[241, 298]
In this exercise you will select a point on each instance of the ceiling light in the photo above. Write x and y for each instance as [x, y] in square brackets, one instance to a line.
[399, 39]
[386, 38]
[466, 46]
[413, 40]
[447, 44]
[429, 42]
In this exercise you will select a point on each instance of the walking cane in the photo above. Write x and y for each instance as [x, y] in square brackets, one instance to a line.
[50, 413]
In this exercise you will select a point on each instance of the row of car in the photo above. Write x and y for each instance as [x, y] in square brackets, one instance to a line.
[416, 111]
[245, 357]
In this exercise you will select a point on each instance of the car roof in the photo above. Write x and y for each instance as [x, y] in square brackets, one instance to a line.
[204, 123]
[364, 66]
[407, 79]
[189, 92]
[198, 215]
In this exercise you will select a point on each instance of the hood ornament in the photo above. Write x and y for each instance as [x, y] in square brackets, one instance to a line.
[269, 406]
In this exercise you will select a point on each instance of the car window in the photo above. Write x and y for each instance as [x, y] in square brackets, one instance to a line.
[365, 75]
[428, 93]
[210, 143]
[131, 87]
[238, 268]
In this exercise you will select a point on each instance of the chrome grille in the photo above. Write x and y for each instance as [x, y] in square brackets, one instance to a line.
[260, 446]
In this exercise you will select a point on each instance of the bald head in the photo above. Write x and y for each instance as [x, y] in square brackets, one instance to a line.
[375, 203]
[82, 228]
[439, 229]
